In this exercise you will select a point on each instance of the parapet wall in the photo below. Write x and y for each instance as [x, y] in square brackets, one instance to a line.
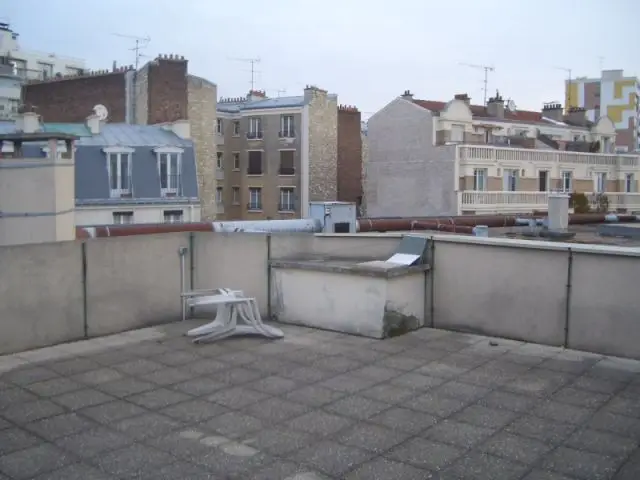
[575, 296]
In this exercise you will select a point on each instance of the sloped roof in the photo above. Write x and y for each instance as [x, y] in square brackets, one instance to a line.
[278, 102]
[480, 111]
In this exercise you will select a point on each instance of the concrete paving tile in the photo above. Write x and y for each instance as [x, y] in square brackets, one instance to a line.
[276, 410]
[237, 376]
[461, 391]
[110, 412]
[614, 423]
[546, 431]
[158, 398]
[375, 372]
[485, 416]
[569, 366]
[370, 437]
[73, 366]
[234, 425]
[459, 434]
[480, 466]
[13, 395]
[405, 420]
[28, 375]
[59, 426]
[126, 386]
[515, 448]
[275, 385]
[4, 424]
[238, 358]
[538, 381]
[176, 358]
[598, 385]
[232, 467]
[580, 464]
[336, 363]
[192, 411]
[416, 381]
[285, 470]
[545, 475]
[78, 399]
[12, 439]
[178, 471]
[319, 423]
[22, 413]
[441, 370]
[279, 440]
[75, 471]
[347, 383]
[138, 366]
[509, 401]
[357, 407]
[54, 386]
[96, 377]
[562, 412]
[363, 355]
[111, 357]
[604, 443]
[382, 468]
[199, 386]
[34, 461]
[333, 458]
[131, 461]
[205, 366]
[401, 362]
[630, 469]
[423, 453]
[435, 404]
[145, 425]
[308, 374]
[168, 376]
[621, 405]
[580, 398]
[237, 397]
[314, 395]
[388, 393]
[92, 442]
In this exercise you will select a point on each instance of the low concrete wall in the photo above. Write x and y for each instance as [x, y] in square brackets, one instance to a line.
[133, 282]
[41, 300]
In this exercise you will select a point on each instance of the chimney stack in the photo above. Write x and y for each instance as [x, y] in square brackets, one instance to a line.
[553, 110]
[93, 124]
[577, 116]
[407, 95]
[495, 106]
[464, 97]
[28, 122]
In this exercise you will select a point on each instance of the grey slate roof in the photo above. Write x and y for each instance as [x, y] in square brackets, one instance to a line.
[279, 102]
[91, 175]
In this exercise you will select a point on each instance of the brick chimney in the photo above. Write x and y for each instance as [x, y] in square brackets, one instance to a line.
[577, 116]
[464, 97]
[407, 95]
[553, 110]
[495, 106]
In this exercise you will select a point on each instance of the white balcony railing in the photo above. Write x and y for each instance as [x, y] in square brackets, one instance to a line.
[500, 154]
[523, 202]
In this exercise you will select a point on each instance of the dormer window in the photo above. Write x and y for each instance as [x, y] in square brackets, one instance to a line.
[119, 169]
[170, 170]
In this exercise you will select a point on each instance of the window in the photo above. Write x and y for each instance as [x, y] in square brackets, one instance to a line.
[46, 69]
[457, 133]
[236, 129]
[287, 162]
[20, 67]
[600, 182]
[219, 130]
[255, 198]
[629, 183]
[479, 179]
[219, 161]
[119, 166]
[255, 127]
[14, 104]
[236, 160]
[286, 126]
[287, 200]
[510, 180]
[219, 195]
[122, 218]
[169, 168]
[567, 186]
[172, 216]
[235, 192]
[255, 162]
[543, 180]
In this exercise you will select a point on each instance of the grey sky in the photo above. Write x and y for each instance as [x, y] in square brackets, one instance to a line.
[366, 51]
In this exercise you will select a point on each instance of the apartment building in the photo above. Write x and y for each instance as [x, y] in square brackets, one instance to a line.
[121, 173]
[274, 155]
[612, 94]
[448, 158]
[161, 92]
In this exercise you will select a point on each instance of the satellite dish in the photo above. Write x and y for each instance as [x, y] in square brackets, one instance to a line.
[101, 112]
[511, 105]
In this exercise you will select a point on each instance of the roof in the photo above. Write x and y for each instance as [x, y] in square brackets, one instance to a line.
[111, 134]
[278, 102]
[480, 112]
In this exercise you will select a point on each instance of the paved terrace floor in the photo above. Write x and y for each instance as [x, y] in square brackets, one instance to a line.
[317, 405]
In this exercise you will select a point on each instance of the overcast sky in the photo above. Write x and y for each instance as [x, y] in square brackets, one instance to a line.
[366, 51]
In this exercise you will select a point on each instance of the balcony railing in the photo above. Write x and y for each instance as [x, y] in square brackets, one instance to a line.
[286, 171]
[522, 202]
[286, 207]
[289, 133]
[475, 153]
[254, 135]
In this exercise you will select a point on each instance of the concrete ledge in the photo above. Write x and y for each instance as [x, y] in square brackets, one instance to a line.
[363, 267]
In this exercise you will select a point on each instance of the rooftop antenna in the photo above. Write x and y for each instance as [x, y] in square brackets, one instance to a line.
[487, 69]
[569, 71]
[140, 43]
[253, 62]
[600, 63]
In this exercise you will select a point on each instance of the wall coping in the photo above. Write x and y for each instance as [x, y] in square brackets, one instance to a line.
[539, 245]
[360, 267]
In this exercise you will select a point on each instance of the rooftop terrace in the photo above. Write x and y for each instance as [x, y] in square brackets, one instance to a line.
[317, 405]
[132, 397]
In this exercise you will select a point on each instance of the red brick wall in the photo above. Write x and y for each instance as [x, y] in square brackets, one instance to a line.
[72, 99]
[168, 92]
[349, 154]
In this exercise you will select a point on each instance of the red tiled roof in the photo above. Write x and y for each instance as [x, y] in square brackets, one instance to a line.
[479, 111]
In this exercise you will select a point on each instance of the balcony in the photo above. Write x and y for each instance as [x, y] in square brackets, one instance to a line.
[254, 136]
[526, 202]
[121, 297]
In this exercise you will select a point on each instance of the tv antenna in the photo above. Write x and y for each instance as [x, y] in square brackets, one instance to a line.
[253, 62]
[140, 43]
[569, 71]
[487, 69]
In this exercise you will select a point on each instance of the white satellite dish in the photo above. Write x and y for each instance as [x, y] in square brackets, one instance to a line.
[511, 105]
[101, 112]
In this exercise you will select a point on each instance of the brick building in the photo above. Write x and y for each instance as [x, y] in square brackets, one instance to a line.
[162, 91]
[349, 154]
